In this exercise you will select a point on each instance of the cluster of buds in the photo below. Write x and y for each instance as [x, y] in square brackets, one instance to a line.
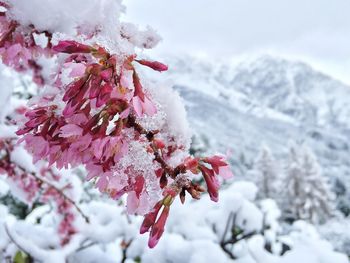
[18, 48]
[93, 119]
[211, 168]
[95, 126]
[154, 223]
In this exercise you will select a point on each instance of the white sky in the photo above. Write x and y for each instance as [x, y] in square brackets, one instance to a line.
[317, 31]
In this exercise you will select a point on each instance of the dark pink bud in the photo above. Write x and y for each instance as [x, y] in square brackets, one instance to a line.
[215, 161]
[159, 143]
[35, 113]
[155, 65]
[104, 95]
[158, 228]
[106, 74]
[35, 122]
[138, 87]
[191, 164]
[70, 47]
[91, 123]
[150, 218]
[23, 131]
[159, 172]
[212, 183]
[139, 184]
[73, 88]
[94, 86]
[220, 166]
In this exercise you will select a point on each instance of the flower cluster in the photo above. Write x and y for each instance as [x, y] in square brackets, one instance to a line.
[39, 187]
[18, 47]
[92, 114]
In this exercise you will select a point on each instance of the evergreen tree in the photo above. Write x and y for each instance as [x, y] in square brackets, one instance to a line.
[266, 174]
[308, 194]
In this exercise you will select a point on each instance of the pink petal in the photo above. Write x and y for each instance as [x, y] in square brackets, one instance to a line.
[148, 107]
[132, 202]
[137, 103]
[71, 130]
[225, 172]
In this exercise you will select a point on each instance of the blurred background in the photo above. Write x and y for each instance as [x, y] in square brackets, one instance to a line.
[266, 82]
[262, 79]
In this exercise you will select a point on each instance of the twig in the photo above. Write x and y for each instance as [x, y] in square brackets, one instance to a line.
[172, 172]
[42, 180]
[86, 246]
[125, 245]
[13, 240]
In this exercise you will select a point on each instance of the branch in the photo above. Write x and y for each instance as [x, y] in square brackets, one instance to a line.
[42, 180]
[13, 240]
[172, 172]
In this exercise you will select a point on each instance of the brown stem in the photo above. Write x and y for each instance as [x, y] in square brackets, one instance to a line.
[42, 180]
[13, 240]
[172, 172]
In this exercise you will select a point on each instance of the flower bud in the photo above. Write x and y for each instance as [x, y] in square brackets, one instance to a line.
[70, 47]
[155, 65]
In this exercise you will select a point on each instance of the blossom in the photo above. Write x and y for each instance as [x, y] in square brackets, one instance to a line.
[70, 46]
[155, 65]
[212, 183]
[219, 165]
[141, 103]
[154, 225]
[158, 228]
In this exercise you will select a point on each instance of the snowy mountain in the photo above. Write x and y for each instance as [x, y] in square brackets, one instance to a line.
[268, 100]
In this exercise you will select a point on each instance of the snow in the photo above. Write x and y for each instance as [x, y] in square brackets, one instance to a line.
[197, 231]
[67, 17]
[4, 188]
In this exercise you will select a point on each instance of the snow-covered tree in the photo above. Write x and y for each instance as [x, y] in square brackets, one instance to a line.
[308, 194]
[266, 174]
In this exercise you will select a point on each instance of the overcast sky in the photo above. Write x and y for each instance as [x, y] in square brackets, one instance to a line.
[317, 31]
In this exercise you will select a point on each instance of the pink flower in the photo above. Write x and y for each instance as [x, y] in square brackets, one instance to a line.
[155, 65]
[219, 165]
[104, 94]
[192, 164]
[69, 130]
[77, 69]
[150, 218]
[142, 104]
[212, 183]
[70, 47]
[38, 146]
[158, 228]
